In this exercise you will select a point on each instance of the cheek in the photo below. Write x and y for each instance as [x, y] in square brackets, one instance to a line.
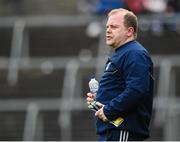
[118, 36]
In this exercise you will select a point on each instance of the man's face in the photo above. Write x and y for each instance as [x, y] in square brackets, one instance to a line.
[116, 32]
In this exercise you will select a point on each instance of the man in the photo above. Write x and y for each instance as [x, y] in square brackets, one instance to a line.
[126, 86]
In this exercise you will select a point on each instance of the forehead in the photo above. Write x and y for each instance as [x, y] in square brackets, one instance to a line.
[116, 18]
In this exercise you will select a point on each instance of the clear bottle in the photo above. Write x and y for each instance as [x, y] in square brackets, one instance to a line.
[93, 85]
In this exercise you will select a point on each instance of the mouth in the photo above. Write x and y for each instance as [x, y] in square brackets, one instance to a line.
[108, 37]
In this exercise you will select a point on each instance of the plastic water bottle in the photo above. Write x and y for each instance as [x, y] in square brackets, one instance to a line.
[93, 85]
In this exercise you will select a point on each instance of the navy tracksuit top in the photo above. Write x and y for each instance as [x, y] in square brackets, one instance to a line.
[126, 89]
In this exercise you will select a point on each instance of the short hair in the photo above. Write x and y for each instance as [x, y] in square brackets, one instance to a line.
[130, 19]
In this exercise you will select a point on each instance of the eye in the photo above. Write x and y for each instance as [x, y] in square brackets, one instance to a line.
[114, 27]
[107, 27]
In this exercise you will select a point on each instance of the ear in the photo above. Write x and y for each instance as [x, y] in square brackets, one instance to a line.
[130, 31]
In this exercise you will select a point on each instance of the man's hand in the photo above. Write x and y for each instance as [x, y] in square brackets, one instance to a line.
[100, 114]
[90, 98]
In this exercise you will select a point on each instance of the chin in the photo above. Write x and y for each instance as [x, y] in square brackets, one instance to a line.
[109, 43]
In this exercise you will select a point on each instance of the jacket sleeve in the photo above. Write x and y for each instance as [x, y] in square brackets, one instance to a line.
[137, 74]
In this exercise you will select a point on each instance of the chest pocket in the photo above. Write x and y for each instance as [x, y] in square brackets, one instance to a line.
[110, 69]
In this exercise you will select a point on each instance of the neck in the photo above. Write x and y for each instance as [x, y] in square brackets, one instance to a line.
[126, 41]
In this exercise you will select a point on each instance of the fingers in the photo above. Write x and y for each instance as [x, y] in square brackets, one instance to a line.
[100, 105]
[90, 98]
[100, 115]
[91, 95]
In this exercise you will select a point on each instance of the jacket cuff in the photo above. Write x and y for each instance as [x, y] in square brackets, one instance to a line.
[108, 113]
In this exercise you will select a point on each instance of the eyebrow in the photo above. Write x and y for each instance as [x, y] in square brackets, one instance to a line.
[116, 25]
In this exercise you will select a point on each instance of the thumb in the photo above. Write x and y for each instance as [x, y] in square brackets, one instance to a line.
[97, 113]
[100, 105]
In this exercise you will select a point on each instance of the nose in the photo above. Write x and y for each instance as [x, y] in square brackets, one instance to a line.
[108, 30]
